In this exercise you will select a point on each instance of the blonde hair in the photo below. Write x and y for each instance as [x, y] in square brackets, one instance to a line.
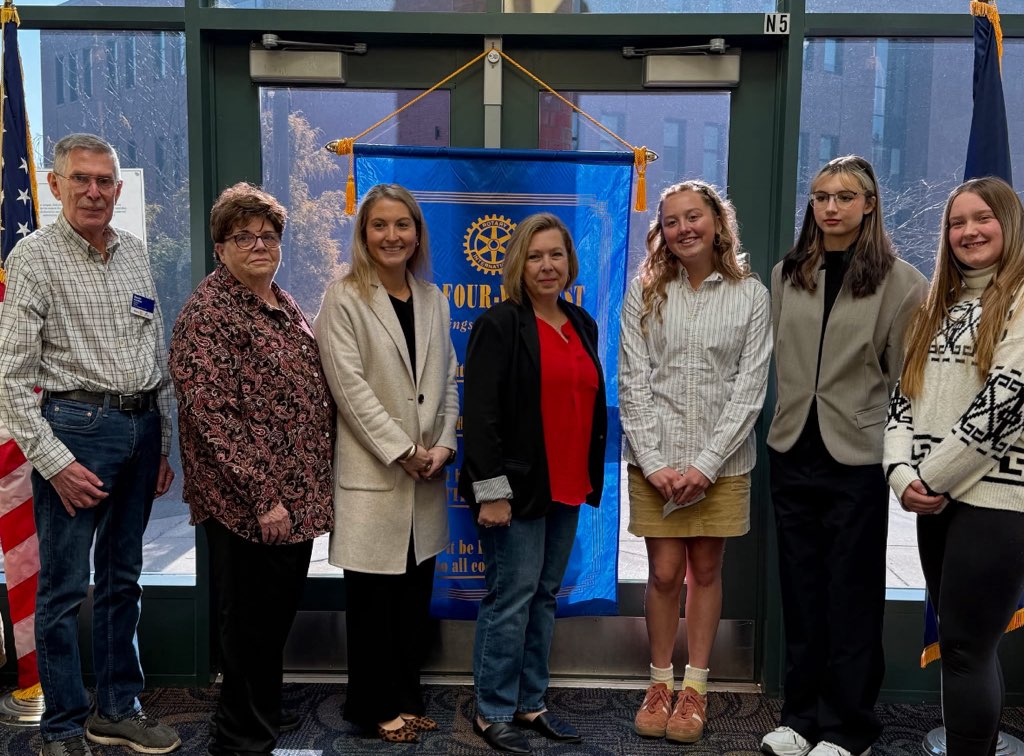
[362, 272]
[661, 266]
[947, 284]
[519, 247]
[873, 256]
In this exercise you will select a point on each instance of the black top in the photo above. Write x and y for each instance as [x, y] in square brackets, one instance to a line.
[835, 266]
[405, 317]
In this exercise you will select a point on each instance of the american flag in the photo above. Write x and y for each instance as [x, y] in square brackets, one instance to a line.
[19, 216]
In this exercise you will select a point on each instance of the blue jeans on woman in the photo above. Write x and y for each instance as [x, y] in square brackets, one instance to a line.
[524, 566]
[123, 450]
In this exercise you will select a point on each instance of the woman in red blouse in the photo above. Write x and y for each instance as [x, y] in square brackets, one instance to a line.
[256, 426]
[534, 423]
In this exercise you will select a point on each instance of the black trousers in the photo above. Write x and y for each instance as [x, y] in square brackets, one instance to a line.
[832, 522]
[387, 619]
[973, 561]
[256, 590]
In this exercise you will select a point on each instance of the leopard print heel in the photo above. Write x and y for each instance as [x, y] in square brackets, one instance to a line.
[404, 734]
[421, 724]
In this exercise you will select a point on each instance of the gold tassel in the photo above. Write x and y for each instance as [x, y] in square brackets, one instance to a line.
[930, 654]
[1016, 621]
[991, 12]
[346, 146]
[9, 13]
[26, 694]
[350, 194]
[640, 164]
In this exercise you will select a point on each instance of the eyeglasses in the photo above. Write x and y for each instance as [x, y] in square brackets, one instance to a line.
[245, 240]
[843, 199]
[82, 181]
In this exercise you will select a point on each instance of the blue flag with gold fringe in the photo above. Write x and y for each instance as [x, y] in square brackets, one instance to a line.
[472, 200]
[988, 154]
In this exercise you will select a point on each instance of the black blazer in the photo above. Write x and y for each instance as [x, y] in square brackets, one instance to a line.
[503, 433]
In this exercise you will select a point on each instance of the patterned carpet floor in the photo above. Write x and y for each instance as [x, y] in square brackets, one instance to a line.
[604, 718]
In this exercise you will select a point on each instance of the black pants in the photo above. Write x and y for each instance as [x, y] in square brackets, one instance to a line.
[832, 522]
[387, 619]
[256, 590]
[973, 560]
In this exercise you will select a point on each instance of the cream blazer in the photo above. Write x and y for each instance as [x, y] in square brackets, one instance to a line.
[385, 404]
[861, 359]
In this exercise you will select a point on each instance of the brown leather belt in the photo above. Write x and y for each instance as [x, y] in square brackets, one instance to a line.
[140, 402]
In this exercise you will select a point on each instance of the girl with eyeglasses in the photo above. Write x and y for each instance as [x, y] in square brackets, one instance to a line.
[954, 445]
[841, 302]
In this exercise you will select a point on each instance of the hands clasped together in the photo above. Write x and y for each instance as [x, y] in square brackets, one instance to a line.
[426, 464]
[677, 487]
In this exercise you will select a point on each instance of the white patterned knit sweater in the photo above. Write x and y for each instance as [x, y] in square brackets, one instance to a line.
[963, 436]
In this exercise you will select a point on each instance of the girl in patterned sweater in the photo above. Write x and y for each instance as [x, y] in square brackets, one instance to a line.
[954, 451]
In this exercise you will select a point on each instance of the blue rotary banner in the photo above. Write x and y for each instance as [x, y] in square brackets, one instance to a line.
[472, 200]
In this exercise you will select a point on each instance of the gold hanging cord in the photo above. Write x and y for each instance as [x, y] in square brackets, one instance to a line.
[641, 155]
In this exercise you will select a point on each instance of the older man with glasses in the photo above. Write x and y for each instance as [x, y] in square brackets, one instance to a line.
[82, 322]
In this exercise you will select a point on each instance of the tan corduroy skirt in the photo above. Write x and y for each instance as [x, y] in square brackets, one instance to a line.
[723, 512]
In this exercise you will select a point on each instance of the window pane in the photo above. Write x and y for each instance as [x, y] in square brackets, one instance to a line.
[109, 3]
[138, 122]
[887, 6]
[447, 6]
[689, 131]
[686, 145]
[310, 182]
[639, 6]
[906, 106]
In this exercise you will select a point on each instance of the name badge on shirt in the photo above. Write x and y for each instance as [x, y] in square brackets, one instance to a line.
[143, 306]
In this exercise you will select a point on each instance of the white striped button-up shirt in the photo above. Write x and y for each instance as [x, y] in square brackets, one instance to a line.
[691, 389]
[67, 324]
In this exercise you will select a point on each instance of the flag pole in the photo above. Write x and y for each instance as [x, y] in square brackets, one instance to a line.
[24, 706]
[935, 744]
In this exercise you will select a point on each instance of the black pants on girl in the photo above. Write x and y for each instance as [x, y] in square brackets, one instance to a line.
[387, 619]
[832, 520]
[973, 561]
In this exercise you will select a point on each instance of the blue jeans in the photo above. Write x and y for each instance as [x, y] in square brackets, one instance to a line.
[123, 450]
[525, 563]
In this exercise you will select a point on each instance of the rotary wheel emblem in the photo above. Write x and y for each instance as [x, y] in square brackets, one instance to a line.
[485, 243]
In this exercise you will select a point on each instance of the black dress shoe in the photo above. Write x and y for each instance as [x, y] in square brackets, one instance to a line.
[501, 736]
[290, 720]
[551, 727]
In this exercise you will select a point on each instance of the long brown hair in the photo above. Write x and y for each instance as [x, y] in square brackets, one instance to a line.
[873, 255]
[661, 266]
[947, 284]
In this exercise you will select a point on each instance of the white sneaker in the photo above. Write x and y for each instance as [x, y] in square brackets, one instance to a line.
[785, 741]
[824, 748]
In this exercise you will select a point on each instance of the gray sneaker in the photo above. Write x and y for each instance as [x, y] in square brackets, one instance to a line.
[138, 732]
[75, 746]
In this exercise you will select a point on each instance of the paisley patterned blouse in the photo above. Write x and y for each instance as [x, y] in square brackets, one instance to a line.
[255, 414]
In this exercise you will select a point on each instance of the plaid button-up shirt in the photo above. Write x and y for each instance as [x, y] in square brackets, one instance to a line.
[67, 323]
